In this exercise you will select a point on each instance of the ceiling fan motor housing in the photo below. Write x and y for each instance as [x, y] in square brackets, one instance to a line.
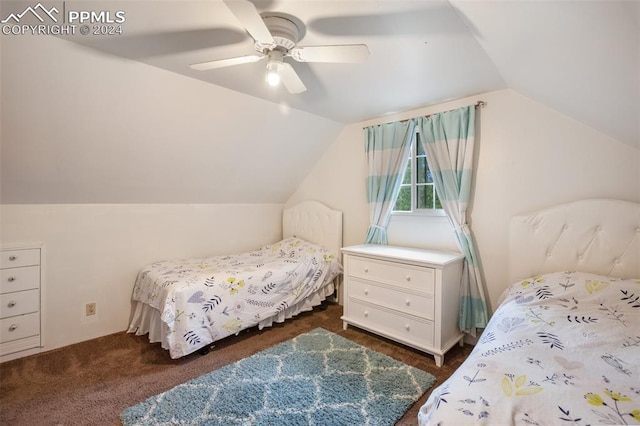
[284, 31]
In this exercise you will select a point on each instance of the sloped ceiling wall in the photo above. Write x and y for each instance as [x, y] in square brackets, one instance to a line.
[83, 127]
[581, 58]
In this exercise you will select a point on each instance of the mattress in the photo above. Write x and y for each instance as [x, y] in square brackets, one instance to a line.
[562, 348]
[188, 304]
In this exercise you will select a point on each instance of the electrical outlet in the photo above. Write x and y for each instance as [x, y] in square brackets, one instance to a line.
[90, 309]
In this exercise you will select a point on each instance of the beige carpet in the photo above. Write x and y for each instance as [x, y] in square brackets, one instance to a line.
[90, 383]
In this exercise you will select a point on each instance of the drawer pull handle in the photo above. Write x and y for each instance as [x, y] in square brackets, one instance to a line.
[408, 302]
[366, 313]
[408, 277]
[11, 279]
[366, 269]
[13, 258]
[366, 291]
[407, 327]
[11, 304]
[13, 327]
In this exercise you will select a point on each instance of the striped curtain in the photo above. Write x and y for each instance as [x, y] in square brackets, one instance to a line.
[448, 140]
[387, 150]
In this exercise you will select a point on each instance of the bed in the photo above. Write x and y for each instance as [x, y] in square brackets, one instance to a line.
[563, 346]
[188, 304]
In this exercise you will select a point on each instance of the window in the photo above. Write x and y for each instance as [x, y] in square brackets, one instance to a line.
[417, 191]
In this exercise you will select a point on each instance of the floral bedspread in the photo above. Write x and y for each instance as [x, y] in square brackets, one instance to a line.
[562, 348]
[204, 300]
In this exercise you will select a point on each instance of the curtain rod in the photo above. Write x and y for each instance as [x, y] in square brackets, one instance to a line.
[479, 104]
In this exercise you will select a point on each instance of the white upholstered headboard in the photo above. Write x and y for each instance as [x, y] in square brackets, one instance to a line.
[315, 222]
[600, 236]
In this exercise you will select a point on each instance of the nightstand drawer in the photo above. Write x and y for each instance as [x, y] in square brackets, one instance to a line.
[422, 279]
[18, 303]
[419, 305]
[19, 258]
[18, 279]
[411, 330]
[19, 327]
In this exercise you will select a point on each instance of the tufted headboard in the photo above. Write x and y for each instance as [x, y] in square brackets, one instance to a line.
[315, 222]
[600, 236]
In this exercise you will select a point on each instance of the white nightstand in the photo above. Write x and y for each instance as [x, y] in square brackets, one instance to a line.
[405, 294]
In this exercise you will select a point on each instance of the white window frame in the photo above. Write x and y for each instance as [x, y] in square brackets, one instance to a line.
[414, 211]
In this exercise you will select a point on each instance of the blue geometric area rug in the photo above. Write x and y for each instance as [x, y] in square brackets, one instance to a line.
[317, 378]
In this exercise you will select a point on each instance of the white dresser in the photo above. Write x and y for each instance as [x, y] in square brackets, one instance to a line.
[407, 295]
[20, 297]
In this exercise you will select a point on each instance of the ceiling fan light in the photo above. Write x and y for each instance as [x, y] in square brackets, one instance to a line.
[273, 78]
[273, 73]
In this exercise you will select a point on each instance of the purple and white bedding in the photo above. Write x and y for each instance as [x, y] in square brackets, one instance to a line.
[562, 348]
[188, 304]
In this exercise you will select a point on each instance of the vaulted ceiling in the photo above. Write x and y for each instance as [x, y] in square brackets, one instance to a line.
[581, 58]
[124, 119]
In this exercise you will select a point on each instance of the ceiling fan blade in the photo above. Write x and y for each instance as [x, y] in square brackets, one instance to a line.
[291, 80]
[351, 53]
[248, 15]
[220, 63]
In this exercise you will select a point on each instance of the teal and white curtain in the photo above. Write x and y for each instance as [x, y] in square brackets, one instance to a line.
[387, 150]
[448, 141]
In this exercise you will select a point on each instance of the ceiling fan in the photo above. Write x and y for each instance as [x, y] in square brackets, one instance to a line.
[276, 37]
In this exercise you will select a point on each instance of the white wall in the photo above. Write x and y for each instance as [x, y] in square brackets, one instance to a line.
[93, 252]
[529, 157]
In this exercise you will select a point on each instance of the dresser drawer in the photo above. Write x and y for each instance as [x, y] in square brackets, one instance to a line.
[19, 258]
[19, 327]
[18, 279]
[419, 305]
[412, 330]
[392, 273]
[18, 303]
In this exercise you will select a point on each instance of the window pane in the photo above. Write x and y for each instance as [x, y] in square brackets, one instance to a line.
[422, 169]
[403, 203]
[425, 196]
[407, 174]
[417, 191]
